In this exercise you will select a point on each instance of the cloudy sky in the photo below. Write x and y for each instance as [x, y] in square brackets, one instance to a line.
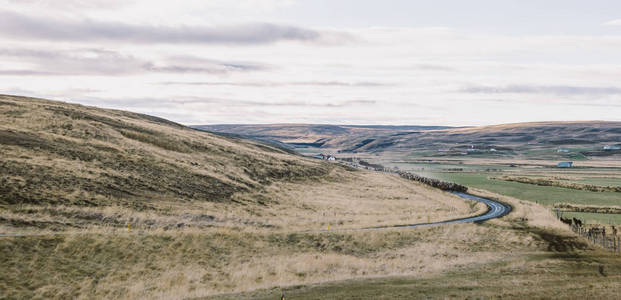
[320, 61]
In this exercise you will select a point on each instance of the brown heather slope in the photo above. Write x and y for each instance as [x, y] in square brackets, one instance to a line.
[71, 166]
[105, 204]
[314, 134]
[99, 203]
[508, 139]
[60, 153]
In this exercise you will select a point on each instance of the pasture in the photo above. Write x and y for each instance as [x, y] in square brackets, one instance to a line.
[594, 218]
[487, 177]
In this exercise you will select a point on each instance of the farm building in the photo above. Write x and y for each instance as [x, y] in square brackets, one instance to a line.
[565, 164]
[609, 147]
[325, 157]
[562, 150]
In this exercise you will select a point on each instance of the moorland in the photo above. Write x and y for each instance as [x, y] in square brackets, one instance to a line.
[99, 203]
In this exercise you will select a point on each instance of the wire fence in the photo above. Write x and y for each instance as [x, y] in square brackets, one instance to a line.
[597, 235]
[594, 234]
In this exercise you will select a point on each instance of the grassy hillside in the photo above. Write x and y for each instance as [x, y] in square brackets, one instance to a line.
[59, 153]
[99, 203]
[109, 204]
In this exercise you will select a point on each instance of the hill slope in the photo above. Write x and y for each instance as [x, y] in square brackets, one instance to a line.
[122, 205]
[59, 153]
[313, 134]
[99, 203]
[358, 139]
[71, 166]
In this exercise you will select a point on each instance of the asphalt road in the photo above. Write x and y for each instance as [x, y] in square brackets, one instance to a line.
[496, 210]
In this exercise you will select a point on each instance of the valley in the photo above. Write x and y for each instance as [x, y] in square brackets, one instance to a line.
[100, 203]
[483, 157]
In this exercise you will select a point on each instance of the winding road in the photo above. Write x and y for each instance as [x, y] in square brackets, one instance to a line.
[496, 210]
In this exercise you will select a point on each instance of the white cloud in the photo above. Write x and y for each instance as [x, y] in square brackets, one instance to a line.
[61, 62]
[196, 64]
[616, 22]
[24, 27]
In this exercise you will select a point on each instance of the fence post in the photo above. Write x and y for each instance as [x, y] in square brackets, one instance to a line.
[607, 244]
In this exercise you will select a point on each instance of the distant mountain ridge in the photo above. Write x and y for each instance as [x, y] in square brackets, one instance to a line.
[309, 133]
[588, 137]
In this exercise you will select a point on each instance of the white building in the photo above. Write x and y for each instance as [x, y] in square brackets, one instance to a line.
[325, 157]
[565, 164]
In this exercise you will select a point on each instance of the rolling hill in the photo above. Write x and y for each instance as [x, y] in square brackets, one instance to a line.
[313, 134]
[117, 204]
[506, 140]
[59, 153]
[98, 203]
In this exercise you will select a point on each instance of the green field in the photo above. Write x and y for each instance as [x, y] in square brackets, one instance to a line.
[547, 195]
[594, 218]
[601, 181]
[479, 176]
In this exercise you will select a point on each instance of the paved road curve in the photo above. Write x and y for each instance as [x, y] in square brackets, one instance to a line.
[496, 210]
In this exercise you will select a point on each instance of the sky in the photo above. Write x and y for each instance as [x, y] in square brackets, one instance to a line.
[392, 62]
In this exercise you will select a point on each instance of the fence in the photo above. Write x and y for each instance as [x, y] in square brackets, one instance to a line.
[443, 185]
[598, 237]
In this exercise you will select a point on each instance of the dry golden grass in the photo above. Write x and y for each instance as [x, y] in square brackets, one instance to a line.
[209, 215]
[339, 201]
[118, 205]
[59, 153]
[528, 248]
[196, 262]
[362, 199]
[524, 212]
[185, 263]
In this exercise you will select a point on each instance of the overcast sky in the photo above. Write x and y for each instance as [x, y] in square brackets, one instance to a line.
[440, 62]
